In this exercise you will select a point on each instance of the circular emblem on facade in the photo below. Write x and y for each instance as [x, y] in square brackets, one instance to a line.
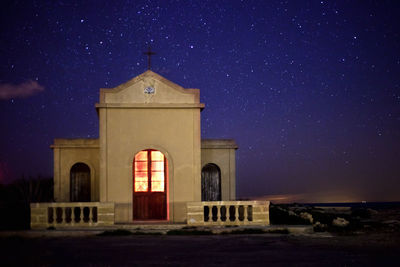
[149, 90]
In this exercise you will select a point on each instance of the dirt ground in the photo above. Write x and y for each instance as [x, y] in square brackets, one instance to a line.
[212, 250]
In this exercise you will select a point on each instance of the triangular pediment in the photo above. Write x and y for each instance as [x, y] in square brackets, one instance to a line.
[149, 87]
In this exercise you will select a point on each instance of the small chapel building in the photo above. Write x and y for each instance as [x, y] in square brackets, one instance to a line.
[149, 159]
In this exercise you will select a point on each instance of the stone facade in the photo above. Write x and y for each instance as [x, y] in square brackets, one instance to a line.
[71, 214]
[222, 152]
[209, 213]
[68, 152]
[145, 113]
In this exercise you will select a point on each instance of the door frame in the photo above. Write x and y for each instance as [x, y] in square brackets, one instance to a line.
[168, 183]
[91, 185]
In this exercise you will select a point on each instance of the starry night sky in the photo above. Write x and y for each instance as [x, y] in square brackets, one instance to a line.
[310, 90]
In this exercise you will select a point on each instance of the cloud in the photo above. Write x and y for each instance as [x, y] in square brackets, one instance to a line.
[21, 90]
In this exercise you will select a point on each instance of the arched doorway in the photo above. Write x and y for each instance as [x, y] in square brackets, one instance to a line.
[150, 170]
[210, 183]
[80, 183]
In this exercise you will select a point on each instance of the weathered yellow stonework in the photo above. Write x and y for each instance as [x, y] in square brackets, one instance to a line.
[71, 214]
[228, 213]
[148, 112]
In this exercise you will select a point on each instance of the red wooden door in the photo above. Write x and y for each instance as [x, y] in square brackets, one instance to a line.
[149, 186]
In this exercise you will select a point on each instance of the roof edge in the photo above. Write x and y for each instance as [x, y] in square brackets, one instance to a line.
[76, 143]
[218, 144]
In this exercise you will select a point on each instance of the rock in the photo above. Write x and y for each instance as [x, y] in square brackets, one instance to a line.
[307, 216]
[372, 212]
[393, 222]
[292, 213]
[340, 222]
[320, 227]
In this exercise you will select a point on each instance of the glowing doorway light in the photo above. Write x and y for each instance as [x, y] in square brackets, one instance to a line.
[141, 173]
[157, 171]
[149, 168]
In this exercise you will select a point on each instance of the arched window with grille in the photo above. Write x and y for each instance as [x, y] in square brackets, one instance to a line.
[210, 183]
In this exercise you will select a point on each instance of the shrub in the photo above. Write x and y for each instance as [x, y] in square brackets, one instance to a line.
[16, 197]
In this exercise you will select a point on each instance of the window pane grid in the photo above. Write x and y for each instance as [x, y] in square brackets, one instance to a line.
[157, 181]
[152, 173]
[157, 156]
[157, 166]
[142, 155]
[141, 166]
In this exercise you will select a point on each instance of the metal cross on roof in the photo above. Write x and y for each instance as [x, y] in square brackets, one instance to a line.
[149, 53]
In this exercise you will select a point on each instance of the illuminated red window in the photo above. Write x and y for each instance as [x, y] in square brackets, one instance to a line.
[149, 171]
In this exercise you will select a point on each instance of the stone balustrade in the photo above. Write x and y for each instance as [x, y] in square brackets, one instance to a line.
[209, 213]
[71, 214]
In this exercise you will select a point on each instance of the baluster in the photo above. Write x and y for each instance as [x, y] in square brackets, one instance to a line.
[66, 215]
[90, 215]
[218, 213]
[210, 214]
[245, 214]
[48, 215]
[228, 214]
[54, 216]
[236, 213]
[63, 215]
[78, 216]
[73, 215]
[82, 215]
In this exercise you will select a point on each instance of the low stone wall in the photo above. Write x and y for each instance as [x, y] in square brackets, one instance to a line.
[228, 213]
[92, 214]
[71, 214]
